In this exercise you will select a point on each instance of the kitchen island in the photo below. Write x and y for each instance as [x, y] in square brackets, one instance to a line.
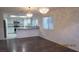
[22, 32]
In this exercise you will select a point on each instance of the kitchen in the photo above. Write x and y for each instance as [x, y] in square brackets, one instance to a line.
[20, 26]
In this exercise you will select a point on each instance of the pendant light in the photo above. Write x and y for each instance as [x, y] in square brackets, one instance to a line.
[29, 12]
[29, 15]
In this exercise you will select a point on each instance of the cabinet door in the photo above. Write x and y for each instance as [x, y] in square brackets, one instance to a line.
[10, 27]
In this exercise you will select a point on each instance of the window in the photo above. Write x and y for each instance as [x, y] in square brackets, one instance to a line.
[27, 22]
[34, 22]
[48, 23]
[30, 22]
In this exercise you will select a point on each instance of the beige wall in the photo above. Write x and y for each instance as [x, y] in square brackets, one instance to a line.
[1, 27]
[66, 27]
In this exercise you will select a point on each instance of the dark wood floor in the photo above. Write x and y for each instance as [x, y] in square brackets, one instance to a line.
[34, 44]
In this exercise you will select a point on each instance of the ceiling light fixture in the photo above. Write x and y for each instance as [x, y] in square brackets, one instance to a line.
[43, 10]
[29, 12]
[29, 15]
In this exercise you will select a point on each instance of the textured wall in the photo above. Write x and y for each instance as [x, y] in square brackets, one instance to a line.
[66, 27]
